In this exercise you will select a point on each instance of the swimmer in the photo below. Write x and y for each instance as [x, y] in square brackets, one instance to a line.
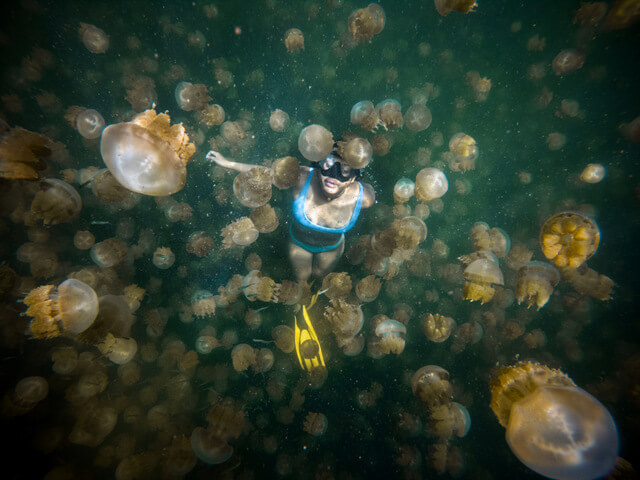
[327, 201]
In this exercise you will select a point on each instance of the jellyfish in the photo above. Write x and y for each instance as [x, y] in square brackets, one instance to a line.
[243, 356]
[430, 184]
[264, 218]
[593, 173]
[391, 334]
[206, 343]
[366, 22]
[431, 384]
[93, 425]
[279, 120]
[119, 350]
[408, 232]
[257, 287]
[142, 95]
[233, 132]
[465, 151]
[449, 419]
[368, 288]
[569, 238]
[438, 328]
[294, 41]
[72, 307]
[27, 393]
[567, 61]
[107, 189]
[55, 202]
[337, 285]
[211, 115]
[283, 337]
[285, 172]
[360, 111]
[535, 283]
[315, 143]
[203, 303]
[179, 457]
[147, 155]
[242, 232]
[344, 319]
[403, 190]
[622, 14]
[199, 243]
[65, 360]
[253, 188]
[479, 276]
[108, 253]
[554, 427]
[163, 258]
[417, 118]
[356, 152]
[89, 123]
[445, 7]
[315, 424]
[390, 113]
[22, 154]
[93, 38]
[190, 96]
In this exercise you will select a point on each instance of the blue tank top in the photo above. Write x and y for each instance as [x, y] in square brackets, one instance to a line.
[301, 217]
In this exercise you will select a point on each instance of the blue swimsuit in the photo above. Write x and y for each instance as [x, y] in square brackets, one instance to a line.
[300, 217]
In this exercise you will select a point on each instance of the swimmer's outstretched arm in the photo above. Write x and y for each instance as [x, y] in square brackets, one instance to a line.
[217, 157]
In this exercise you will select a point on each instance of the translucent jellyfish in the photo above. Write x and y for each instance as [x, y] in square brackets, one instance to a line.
[22, 154]
[449, 419]
[211, 115]
[315, 143]
[90, 123]
[555, 141]
[179, 457]
[147, 155]
[438, 328]
[65, 360]
[290, 292]
[163, 258]
[315, 424]
[391, 335]
[360, 111]
[567, 61]
[27, 393]
[368, 288]
[93, 38]
[206, 343]
[294, 41]
[535, 283]
[283, 336]
[390, 113]
[203, 303]
[403, 190]
[209, 447]
[257, 287]
[93, 425]
[622, 14]
[569, 239]
[408, 232]
[190, 96]
[417, 118]
[337, 285]
[242, 232]
[108, 253]
[593, 173]
[554, 427]
[118, 350]
[366, 22]
[431, 384]
[445, 7]
[233, 132]
[465, 151]
[264, 219]
[499, 242]
[279, 120]
[430, 184]
[356, 152]
[344, 319]
[199, 243]
[55, 202]
[479, 276]
[285, 172]
[107, 189]
[71, 308]
[243, 357]
[253, 188]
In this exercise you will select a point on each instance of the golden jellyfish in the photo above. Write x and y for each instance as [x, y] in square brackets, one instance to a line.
[403, 190]
[344, 319]
[567, 61]
[203, 303]
[438, 328]
[569, 239]
[431, 384]
[83, 240]
[336, 285]
[255, 286]
[366, 22]
[315, 424]
[119, 350]
[264, 219]
[360, 111]
[480, 276]
[552, 426]
[418, 118]
[356, 152]
[518, 256]
[107, 189]
[390, 113]
[27, 393]
[290, 292]
[72, 307]
[465, 151]
[445, 7]
[55, 202]
[431, 183]
[622, 14]
[555, 141]
[191, 96]
[65, 360]
[233, 132]
[22, 154]
[283, 337]
[93, 38]
[285, 172]
[279, 120]
[593, 173]
[108, 253]
[294, 41]
[199, 243]
[590, 13]
[535, 283]
[368, 288]
[391, 335]
[242, 232]
[147, 155]
[449, 419]
[90, 123]
[142, 95]
[315, 143]
[587, 281]
[163, 258]
[253, 188]
[243, 356]
[211, 115]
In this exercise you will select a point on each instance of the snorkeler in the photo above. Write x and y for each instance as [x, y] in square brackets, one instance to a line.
[327, 201]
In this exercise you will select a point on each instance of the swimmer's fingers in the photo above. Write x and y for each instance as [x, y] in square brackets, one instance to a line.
[214, 156]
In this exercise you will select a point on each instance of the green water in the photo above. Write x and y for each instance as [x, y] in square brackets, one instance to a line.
[596, 345]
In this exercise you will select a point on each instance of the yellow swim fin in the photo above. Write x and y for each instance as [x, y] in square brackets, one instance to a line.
[308, 347]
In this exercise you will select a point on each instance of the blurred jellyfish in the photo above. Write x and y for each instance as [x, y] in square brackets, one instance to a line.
[431, 384]
[593, 173]
[205, 344]
[554, 427]
[344, 319]
[65, 360]
[27, 393]
[285, 172]
[90, 123]
[360, 111]
[438, 328]
[243, 357]
[480, 276]
[315, 143]
[108, 253]
[264, 218]
[203, 303]
[283, 336]
[279, 120]
[567, 61]
[417, 118]
[315, 424]
[403, 190]
[55, 202]
[366, 22]
[190, 97]
[430, 184]
[93, 425]
[163, 258]
[445, 7]
[465, 152]
[242, 232]
[555, 141]
[253, 188]
[119, 350]
[368, 288]
[337, 285]
[93, 38]
[147, 155]
[391, 335]
[569, 238]
[199, 243]
[293, 41]
[535, 283]
[356, 152]
[390, 113]
[71, 308]
[211, 115]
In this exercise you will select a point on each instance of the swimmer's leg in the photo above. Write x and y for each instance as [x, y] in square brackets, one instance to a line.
[325, 262]
[301, 261]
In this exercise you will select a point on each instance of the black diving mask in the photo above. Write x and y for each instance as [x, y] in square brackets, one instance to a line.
[333, 167]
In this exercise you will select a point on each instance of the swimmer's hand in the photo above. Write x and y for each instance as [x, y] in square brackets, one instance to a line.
[218, 158]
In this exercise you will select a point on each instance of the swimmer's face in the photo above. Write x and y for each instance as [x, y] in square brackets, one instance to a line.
[335, 176]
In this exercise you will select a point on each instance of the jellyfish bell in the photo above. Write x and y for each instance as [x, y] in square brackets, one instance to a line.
[569, 239]
[445, 7]
[279, 120]
[356, 152]
[484, 271]
[431, 384]
[567, 61]
[403, 190]
[535, 283]
[462, 419]
[418, 118]
[147, 155]
[93, 38]
[430, 184]
[315, 142]
[90, 123]
[55, 202]
[593, 173]
[360, 111]
[253, 188]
